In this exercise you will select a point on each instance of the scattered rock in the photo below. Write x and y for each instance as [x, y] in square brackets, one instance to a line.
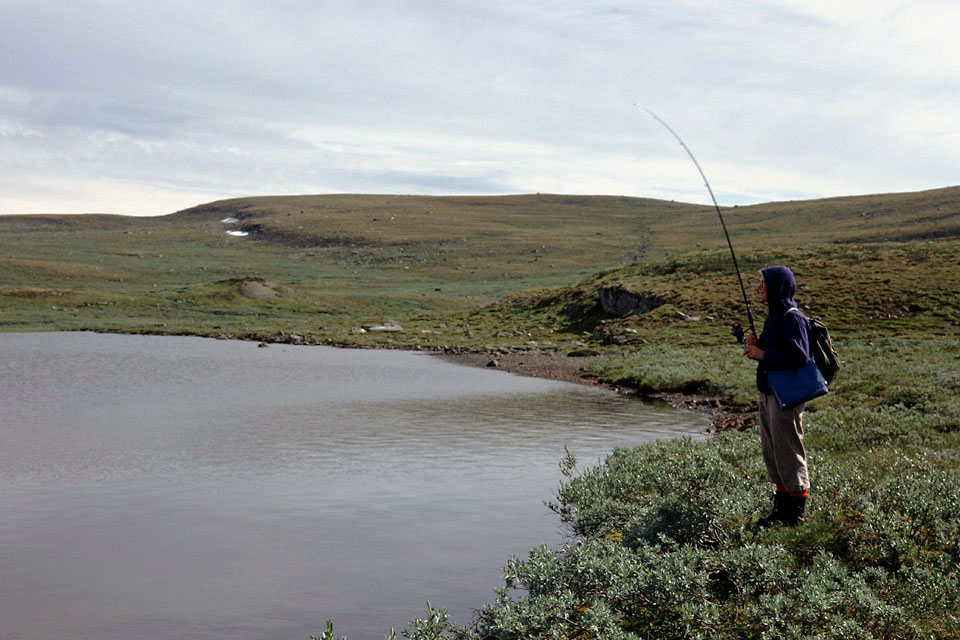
[287, 338]
[493, 363]
[612, 334]
[388, 326]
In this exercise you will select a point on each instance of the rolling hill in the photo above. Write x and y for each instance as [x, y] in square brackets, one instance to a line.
[322, 265]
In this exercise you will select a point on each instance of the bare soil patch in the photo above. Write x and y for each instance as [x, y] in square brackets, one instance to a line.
[257, 290]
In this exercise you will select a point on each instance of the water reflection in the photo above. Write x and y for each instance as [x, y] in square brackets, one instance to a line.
[196, 488]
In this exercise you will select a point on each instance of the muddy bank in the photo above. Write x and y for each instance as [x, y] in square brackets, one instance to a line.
[723, 416]
[536, 364]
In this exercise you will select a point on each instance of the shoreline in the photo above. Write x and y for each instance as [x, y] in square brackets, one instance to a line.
[723, 416]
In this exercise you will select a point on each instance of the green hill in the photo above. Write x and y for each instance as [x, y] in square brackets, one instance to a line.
[334, 261]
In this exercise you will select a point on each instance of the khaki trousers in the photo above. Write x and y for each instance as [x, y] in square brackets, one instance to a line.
[781, 437]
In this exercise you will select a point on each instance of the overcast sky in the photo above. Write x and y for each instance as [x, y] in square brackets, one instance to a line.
[148, 107]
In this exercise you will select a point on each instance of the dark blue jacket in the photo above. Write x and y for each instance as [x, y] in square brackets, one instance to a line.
[784, 336]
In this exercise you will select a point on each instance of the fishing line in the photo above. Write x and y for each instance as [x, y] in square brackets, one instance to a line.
[722, 224]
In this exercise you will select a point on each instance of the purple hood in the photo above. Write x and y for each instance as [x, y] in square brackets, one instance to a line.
[781, 286]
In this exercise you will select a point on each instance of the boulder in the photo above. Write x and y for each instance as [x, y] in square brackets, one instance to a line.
[618, 301]
[388, 326]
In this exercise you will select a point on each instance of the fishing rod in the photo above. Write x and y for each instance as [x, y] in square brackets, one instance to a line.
[737, 330]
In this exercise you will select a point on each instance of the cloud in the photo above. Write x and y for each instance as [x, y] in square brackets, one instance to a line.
[100, 195]
[173, 100]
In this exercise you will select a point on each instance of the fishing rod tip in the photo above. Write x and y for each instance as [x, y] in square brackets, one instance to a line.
[646, 108]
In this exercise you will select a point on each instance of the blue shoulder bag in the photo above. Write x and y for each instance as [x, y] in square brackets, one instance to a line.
[792, 387]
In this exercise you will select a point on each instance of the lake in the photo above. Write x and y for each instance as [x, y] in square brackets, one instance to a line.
[191, 488]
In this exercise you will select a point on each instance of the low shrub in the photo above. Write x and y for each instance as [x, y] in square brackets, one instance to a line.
[674, 523]
[918, 428]
[668, 549]
[908, 397]
[600, 589]
[910, 520]
[721, 474]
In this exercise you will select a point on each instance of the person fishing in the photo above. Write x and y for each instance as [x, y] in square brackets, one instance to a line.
[783, 344]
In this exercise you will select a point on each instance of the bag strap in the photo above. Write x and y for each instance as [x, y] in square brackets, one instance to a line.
[797, 309]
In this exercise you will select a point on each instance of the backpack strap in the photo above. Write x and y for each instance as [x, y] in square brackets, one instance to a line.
[797, 309]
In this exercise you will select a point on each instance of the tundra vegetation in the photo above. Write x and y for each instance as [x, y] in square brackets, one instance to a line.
[663, 543]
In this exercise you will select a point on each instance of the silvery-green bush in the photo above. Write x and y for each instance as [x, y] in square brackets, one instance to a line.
[667, 549]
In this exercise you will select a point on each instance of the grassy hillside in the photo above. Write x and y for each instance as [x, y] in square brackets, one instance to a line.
[336, 261]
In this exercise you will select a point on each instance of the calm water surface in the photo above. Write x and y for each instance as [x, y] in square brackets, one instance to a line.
[188, 488]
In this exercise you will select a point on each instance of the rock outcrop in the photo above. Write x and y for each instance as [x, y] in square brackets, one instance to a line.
[618, 301]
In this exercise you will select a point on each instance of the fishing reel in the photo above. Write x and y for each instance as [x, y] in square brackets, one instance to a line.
[737, 332]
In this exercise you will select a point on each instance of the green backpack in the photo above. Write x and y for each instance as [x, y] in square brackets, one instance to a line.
[821, 349]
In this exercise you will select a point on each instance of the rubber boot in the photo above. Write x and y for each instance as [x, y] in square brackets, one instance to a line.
[793, 510]
[779, 510]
